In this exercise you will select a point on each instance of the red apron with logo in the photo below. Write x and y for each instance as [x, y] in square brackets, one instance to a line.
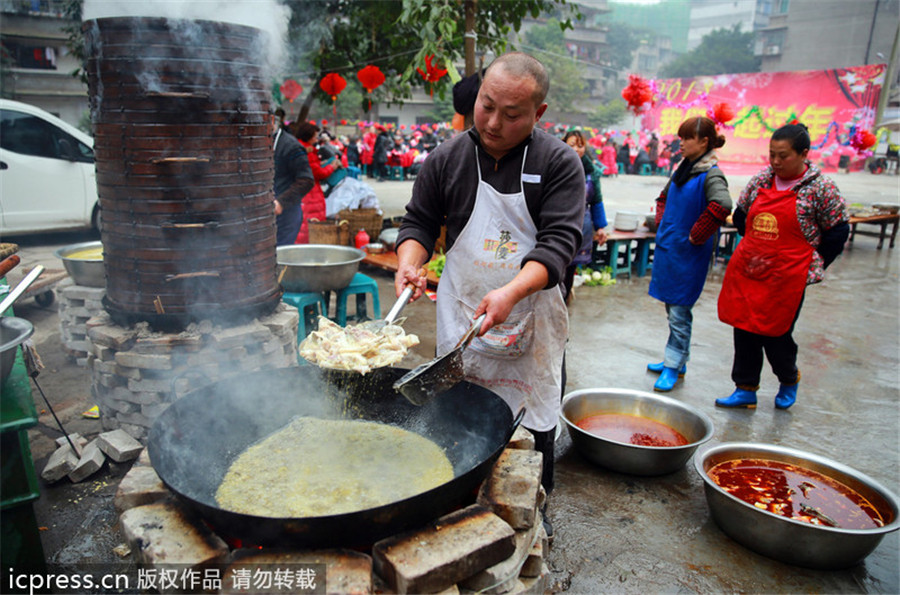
[766, 276]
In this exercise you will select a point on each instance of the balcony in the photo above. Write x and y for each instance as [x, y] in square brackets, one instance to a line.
[50, 8]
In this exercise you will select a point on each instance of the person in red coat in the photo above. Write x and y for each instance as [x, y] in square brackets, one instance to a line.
[314, 202]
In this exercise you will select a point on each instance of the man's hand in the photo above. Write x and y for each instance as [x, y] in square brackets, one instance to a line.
[278, 209]
[600, 236]
[411, 255]
[498, 303]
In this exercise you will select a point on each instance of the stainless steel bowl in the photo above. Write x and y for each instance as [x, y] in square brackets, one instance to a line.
[633, 459]
[89, 273]
[317, 267]
[388, 237]
[787, 540]
[374, 248]
[13, 332]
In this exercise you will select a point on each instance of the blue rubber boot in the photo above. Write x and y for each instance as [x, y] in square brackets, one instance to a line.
[658, 368]
[787, 394]
[666, 381]
[741, 397]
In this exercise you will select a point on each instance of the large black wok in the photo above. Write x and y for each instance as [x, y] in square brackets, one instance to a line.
[195, 440]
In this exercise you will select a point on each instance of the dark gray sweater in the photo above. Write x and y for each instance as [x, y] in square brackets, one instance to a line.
[444, 194]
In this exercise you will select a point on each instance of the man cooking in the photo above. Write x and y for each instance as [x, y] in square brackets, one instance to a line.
[512, 198]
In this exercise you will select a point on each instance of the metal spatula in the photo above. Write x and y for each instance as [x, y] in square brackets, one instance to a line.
[432, 378]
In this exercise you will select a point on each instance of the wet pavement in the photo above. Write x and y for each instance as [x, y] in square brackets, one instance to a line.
[615, 533]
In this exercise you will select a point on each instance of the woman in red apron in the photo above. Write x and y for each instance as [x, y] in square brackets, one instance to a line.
[794, 222]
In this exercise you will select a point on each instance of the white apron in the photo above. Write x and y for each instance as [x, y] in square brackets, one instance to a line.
[520, 359]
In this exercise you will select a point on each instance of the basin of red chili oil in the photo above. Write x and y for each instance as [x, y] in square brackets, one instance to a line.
[796, 493]
[631, 429]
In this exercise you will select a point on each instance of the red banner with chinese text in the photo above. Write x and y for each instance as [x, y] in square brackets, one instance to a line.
[828, 102]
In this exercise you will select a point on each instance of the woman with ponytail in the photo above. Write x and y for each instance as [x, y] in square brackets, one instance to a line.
[691, 208]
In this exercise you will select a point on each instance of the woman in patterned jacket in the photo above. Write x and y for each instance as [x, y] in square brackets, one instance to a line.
[794, 222]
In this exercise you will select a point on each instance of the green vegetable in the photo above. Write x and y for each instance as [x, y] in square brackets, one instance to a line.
[437, 264]
[593, 278]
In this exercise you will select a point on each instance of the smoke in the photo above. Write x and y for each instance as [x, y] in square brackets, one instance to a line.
[269, 16]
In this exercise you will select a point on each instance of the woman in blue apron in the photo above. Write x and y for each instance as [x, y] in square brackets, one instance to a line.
[692, 206]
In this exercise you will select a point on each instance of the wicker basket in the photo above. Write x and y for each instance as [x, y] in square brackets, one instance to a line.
[369, 219]
[330, 231]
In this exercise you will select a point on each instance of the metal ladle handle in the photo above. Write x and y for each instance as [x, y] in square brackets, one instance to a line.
[20, 288]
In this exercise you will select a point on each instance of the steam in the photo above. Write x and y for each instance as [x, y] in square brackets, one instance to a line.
[268, 15]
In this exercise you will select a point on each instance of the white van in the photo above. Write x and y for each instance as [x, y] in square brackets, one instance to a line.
[47, 177]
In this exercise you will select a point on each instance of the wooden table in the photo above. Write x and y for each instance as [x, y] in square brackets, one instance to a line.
[388, 262]
[883, 220]
[641, 259]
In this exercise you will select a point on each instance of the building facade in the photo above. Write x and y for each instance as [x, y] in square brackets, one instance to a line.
[37, 66]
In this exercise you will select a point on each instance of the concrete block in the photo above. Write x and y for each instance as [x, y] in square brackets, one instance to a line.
[92, 458]
[77, 439]
[521, 439]
[135, 419]
[163, 533]
[83, 292]
[119, 445]
[533, 586]
[153, 410]
[346, 571]
[144, 361]
[444, 552]
[61, 462]
[511, 490]
[108, 335]
[534, 562]
[501, 577]
[137, 432]
[140, 486]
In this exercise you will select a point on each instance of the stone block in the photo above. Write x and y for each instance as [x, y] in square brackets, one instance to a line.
[77, 439]
[164, 533]
[346, 571]
[137, 432]
[144, 361]
[511, 490]
[521, 439]
[60, 463]
[119, 445]
[533, 586]
[501, 577]
[83, 292]
[108, 335]
[534, 562]
[144, 459]
[140, 486]
[444, 552]
[153, 410]
[92, 458]
[136, 419]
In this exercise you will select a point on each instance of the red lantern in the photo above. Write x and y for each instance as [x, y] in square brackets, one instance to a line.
[371, 78]
[721, 113]
[290, 89]
[333, 83]
[862, 140]
[343, 122]
[432, 73]
[638, 94]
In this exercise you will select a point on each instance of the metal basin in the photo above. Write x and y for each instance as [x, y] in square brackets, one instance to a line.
[634, 459]
[87, 272]
[317, 267]
[788, 540]
[13, 332]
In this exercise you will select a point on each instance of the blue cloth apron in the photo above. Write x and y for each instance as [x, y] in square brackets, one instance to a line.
[679, 267]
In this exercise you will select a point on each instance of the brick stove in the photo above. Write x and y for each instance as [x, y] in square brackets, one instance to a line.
[495, 545]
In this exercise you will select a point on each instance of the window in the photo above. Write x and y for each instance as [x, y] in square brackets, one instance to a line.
[31, 56]
[29, 135]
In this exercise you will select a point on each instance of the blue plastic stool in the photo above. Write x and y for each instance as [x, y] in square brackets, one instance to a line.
[621, 167]
[310, 305]
[360, 286]
[646, 169]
